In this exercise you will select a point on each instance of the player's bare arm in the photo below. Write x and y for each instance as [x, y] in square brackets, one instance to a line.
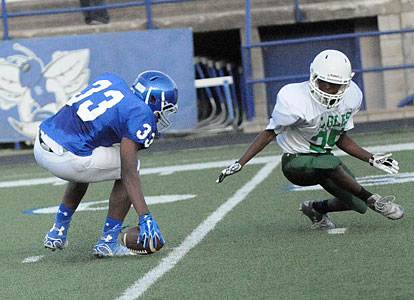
[261, 141]
[130, 177]
[258, 144]
[349, 146]
[382, 161]
[149, 233]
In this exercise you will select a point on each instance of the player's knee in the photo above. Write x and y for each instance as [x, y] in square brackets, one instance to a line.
[335, 172]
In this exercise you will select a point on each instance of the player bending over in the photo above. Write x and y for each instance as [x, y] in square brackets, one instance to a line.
[96, 137]
[309, 118]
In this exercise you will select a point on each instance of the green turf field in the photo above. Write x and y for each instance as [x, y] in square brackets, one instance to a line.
[242, 239]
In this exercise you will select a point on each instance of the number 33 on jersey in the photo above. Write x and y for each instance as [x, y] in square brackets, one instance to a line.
[101, 115]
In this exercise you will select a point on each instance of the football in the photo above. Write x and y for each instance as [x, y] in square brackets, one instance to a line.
[129, 239]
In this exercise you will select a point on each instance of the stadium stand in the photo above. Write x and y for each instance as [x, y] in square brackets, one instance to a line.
[214, 22]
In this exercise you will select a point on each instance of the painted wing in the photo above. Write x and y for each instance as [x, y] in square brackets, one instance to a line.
[68, 72]
[11, 90]
[28, 129]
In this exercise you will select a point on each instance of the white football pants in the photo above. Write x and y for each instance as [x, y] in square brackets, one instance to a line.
[104, 163]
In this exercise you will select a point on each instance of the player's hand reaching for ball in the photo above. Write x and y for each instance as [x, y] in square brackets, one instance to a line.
[149, 231]
[230, 170]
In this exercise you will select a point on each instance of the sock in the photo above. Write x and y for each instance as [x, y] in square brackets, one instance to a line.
[320, 206]
[364, 194]
[64, 214]
[111, 223]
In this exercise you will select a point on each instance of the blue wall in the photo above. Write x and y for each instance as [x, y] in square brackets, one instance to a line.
[38, 75]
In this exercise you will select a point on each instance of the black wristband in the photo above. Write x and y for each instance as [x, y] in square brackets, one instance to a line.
[371, 160]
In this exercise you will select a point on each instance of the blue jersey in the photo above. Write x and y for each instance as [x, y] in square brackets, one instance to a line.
[101, 115]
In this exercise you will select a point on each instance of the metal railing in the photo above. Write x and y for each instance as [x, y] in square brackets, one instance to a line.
[148, 3]
[247, 62]
[247, 80]
[327, 38]
[219, 99]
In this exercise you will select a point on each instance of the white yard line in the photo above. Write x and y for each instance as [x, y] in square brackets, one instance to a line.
[167, 263]
[271, 162]
[32, 259]
[337, 231]
[199, 166]
[28, 182]
[364, 181]
[160, 170]
[91, 205]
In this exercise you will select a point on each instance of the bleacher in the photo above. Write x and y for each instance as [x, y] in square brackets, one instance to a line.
[200, 15]
[221, 104]
[220, 101]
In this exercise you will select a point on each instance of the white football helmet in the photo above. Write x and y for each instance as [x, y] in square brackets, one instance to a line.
[334, 67]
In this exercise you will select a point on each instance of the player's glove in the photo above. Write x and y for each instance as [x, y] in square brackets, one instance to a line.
[230, 170]
[385, 163]
[149, 231]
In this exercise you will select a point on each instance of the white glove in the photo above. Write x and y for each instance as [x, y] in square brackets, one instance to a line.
[230, 170]
[384, 162]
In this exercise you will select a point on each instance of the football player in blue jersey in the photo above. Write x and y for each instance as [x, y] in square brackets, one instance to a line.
[96, 137]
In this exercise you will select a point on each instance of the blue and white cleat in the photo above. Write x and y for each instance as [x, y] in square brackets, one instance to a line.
[56, 237]
[108, 246]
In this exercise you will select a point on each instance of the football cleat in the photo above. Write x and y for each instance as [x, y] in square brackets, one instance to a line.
[386, 206]
[56, 237]
[108, 246]
[319, 221]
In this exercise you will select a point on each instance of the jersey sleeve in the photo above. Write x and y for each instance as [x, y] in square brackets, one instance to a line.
[356, 94]
[140, 127]
[282, 115]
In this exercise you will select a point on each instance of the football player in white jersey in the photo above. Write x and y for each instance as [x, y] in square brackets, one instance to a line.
[308, 120]
[96, 137]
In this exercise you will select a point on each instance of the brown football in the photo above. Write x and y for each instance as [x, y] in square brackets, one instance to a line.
[129, 239]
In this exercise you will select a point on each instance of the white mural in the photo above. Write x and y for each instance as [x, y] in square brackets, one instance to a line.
[40, 90]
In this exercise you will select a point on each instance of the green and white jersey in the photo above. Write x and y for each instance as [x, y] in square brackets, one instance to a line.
[304, 126]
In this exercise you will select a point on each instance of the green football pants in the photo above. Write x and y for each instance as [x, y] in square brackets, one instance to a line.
[309, 169]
